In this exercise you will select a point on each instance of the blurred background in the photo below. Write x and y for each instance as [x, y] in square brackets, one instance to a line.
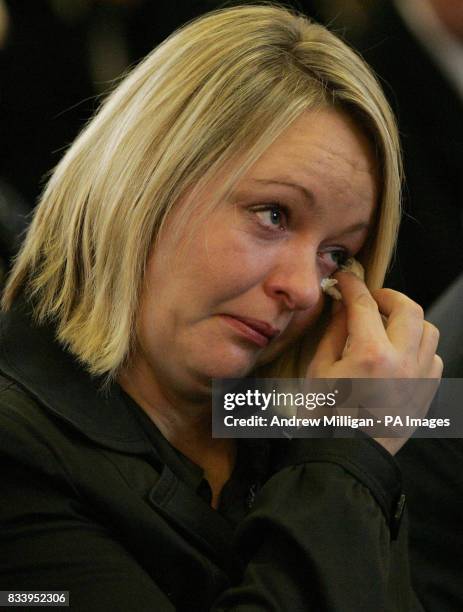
[58, 57]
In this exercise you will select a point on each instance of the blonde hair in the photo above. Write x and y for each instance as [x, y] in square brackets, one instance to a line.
[221, 88]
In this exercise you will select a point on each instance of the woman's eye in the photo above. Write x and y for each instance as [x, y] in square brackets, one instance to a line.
[272, 216]
[332, 260]
[339, 257]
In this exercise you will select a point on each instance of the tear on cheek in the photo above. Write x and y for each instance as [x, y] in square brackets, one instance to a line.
[328, 284]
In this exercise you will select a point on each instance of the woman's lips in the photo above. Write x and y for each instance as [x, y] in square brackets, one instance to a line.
[258, 332]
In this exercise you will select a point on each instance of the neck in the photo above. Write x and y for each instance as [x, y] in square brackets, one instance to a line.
[185, 423]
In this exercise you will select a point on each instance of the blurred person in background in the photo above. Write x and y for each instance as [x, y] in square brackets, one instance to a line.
[416, 48]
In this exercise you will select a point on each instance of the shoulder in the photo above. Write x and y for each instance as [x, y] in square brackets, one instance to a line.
[29, 434]
[21, 415]
[34, 438]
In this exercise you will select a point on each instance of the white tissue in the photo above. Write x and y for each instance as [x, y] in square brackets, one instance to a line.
[328, 284]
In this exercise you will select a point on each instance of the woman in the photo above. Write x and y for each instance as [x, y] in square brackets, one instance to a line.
[183, 237]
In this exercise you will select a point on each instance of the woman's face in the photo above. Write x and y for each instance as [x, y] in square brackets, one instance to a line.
[240, 286]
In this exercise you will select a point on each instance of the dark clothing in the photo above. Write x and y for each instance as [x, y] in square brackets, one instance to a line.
[433, 479]
[97, 502]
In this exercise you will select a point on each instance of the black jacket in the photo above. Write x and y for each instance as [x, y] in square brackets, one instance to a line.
[95, 501]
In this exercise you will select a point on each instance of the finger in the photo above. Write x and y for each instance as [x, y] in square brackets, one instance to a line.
[364, 322]
[332, 344]
[429, 343]
[404, 325]
[437, 367]
[428, 346]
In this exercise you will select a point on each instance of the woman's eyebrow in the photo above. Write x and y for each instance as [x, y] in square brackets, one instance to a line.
[308, 195]
[356, 227]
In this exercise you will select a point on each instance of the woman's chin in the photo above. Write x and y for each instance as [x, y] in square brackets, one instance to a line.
[220, 357]
[199, 379]
[229, 370]
[225, 366]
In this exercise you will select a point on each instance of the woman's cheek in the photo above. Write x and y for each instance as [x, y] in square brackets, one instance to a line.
[299, 325]
[301, 322]
[238, 257]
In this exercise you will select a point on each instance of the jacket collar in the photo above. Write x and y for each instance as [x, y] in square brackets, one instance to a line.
[31, 356]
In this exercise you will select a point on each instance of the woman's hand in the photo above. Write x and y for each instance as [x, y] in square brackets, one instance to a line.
[358, 344]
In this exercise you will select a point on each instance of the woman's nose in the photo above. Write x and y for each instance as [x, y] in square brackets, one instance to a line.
[295, 282]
